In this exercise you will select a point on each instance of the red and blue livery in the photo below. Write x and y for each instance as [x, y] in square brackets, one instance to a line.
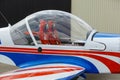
[56, 45]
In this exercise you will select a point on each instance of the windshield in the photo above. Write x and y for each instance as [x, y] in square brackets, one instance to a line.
[19, 33]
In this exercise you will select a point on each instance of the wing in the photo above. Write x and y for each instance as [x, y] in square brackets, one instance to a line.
[45, 72]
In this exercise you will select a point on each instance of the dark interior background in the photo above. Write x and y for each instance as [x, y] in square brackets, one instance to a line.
[15, 10]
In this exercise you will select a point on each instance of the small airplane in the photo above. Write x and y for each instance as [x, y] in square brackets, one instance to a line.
[56, 45]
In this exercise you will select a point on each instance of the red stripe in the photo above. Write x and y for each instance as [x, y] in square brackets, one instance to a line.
[50, 67]
[113, 66]
[25, 75]
[50, 51]
[116, 54]
[13, 49]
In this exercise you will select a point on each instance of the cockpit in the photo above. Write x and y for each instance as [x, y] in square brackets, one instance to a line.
[50, 27]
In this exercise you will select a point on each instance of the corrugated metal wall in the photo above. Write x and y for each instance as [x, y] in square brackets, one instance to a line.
[103, 15]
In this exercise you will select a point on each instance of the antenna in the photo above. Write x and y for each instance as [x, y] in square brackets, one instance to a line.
[5, 18]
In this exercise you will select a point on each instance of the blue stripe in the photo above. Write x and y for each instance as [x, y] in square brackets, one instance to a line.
[106, 35]
[26, 60]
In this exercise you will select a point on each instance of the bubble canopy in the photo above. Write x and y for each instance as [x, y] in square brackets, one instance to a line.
[54, 27]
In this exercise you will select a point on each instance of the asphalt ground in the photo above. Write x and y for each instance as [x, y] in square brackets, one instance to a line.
[103, 76]
[6, 68]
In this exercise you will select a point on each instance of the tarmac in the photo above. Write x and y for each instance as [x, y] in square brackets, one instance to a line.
[6, 68]
[103, 76]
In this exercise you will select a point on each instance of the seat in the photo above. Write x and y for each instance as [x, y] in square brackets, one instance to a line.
[52, 33]
[43, 32]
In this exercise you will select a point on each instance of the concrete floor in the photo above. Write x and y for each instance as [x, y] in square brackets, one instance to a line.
[5, 68]
[103, 76]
